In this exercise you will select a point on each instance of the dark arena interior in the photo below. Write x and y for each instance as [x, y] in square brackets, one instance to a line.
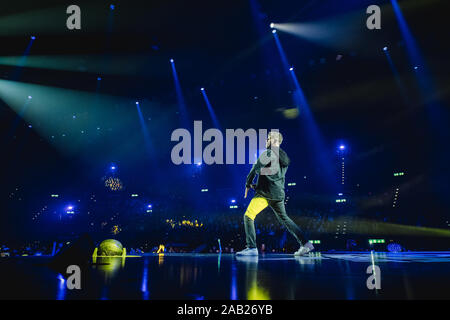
[129, 129]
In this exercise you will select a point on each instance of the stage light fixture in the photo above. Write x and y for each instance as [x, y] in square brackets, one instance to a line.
[272, 25]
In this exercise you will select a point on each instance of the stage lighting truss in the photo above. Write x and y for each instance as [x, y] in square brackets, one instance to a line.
[114, 184]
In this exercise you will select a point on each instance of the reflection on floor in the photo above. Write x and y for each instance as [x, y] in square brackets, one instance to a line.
[344, 275]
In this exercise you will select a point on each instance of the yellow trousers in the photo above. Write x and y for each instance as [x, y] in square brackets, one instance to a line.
[257, 205]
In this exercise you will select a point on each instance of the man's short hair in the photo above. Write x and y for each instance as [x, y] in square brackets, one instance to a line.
[277, 135]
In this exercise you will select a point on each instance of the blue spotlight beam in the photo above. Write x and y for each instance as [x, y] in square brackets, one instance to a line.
[180, 98]
[396, 76]
[415, 57]
[438, 114]
[210, 109]
[307, 123]
[283, 57]
[311, 129]
[16, 121]
[413, 52]
[144, 129]
[18, 70]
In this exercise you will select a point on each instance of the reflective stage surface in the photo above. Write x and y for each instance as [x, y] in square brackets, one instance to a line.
[423, 275]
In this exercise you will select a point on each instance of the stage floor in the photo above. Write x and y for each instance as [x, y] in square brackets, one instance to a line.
[418, 275]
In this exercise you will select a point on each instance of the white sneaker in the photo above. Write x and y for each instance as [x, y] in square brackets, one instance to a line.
[248, 252]
[307, 248]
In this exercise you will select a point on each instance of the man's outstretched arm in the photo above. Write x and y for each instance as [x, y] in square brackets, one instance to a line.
[256, 169]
